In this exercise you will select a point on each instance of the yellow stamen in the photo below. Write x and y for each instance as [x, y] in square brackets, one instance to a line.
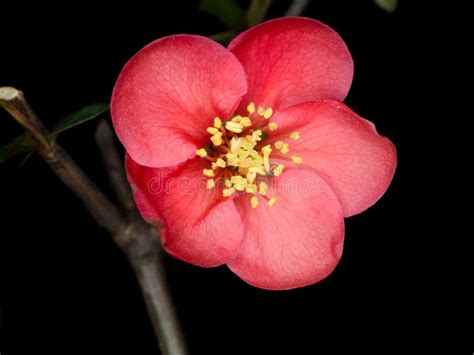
[268, 113]
[257, 135]
[246, 122]
[282, 147]
[242, 162]
[212, 130]
[220, 163]
[201, 152]
[239, 182]
[251, 176]
[263, 188]
[232, 159]
[258, 169]
[235, 144]
[208, 172]
[251, 108]
[254, 202]
[228, 192]
[295, 135]
[251, 188]
[210, 183]
[266, 150]
[296, 159]
[217, 122]
[216, 139]
[272, 201]
[247, 143]
[234, 127]
[278, 170]
[273, 126]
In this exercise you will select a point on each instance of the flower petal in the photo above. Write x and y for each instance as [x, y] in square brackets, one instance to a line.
[201, 226]
[342, 148]
[295, 243]
[169, 92]
[293, 60]
[144, 181]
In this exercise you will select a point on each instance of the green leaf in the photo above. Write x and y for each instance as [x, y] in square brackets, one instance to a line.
[257, 11]
[83, 115]
[20, 145]
[228, 11]
[387, 5]
[223, 37]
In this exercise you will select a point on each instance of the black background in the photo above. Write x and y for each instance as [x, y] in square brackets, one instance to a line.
[65, 288]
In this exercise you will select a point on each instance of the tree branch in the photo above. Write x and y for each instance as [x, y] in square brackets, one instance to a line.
[12, 101]
[132, 235]
[297, 8]
[104, 138]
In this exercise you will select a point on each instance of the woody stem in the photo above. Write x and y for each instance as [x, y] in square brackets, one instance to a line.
[130, 233]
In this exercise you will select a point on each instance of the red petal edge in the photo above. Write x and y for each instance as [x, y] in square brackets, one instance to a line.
[293, 60]
[343, 148]
[200, 226]
[295, 243]
[169, 92]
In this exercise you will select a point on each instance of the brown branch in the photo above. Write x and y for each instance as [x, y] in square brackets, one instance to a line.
[296, 8]
[99, 206]
[104, 138]
[149, 272]
[132, 235]
[12, 101]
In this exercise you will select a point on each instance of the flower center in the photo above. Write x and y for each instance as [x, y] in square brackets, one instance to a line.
[239, 157]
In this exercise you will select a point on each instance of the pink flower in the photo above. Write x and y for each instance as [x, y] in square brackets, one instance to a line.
[246, 154]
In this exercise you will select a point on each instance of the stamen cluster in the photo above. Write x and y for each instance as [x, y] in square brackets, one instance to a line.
[240, 159]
